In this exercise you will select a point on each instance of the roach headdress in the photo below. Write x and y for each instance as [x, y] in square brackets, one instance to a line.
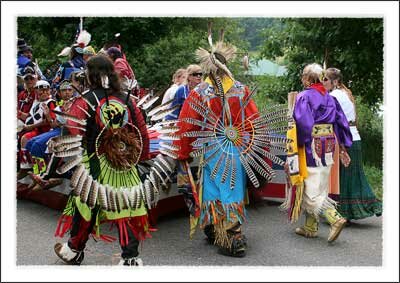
[214, 61]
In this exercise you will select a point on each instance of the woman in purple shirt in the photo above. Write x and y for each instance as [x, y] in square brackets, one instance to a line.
[320, 121]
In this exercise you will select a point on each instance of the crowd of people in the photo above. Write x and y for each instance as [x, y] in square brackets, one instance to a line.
[98, 87]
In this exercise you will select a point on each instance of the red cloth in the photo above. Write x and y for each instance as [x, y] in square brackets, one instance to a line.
[123, 69]
[77, 112]
[28, 135]
[216, 105]
[52, 106]
[25, 101]
[141, 124]
[319, 87]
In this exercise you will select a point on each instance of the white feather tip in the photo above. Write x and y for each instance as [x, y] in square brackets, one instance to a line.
[64, 52]
[84, 37]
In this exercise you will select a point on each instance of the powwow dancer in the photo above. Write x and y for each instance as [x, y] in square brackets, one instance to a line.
[220, 123]
[319, 122]
[106, 138]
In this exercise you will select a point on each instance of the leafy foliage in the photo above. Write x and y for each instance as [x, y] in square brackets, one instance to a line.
[370, 127]
[375, 179]
[155, 47]
[354, 45]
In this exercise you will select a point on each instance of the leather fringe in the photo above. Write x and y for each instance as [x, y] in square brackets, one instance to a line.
[214, 212]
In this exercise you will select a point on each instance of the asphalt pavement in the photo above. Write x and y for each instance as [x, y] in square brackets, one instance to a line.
[271, 242]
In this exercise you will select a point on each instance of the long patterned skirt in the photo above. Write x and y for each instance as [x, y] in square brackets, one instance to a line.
[357, 199]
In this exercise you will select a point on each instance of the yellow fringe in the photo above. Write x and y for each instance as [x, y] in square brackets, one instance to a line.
[297, 204]
[298, 179]
[194, 221]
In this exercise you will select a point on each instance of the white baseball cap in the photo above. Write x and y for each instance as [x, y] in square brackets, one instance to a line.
[42, 84]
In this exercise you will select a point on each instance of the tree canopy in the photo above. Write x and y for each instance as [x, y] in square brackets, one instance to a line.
[157, 46]
[353, 45]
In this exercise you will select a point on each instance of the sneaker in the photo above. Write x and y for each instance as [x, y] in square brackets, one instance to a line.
[134, 261]
[68, 255]
[335, 230]
[305, 233]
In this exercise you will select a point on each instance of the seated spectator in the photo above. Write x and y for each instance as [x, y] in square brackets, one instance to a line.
[37, 146]
[25, 58]
[78, 81]
[39, 121]
[24, 54]
[28, 95]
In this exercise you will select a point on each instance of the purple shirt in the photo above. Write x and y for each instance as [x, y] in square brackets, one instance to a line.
[312, 108]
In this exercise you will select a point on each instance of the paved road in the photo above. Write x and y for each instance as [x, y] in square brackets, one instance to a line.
[271, 239]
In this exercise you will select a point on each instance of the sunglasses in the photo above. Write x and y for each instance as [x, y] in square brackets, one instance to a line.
[29, 79]
[42, 87]
[196, 74]
[67, 88]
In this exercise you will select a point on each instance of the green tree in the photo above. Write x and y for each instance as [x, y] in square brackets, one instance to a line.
[354, 45]
[155, 46]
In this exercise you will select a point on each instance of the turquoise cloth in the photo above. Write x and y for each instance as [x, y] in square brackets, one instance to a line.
[215, 189]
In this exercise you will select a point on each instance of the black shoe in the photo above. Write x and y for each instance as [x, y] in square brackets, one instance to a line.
[134, 261]
[210, 233]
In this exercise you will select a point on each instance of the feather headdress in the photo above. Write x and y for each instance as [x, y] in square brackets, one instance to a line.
[81, 42]
[214, 61]
[83, 38]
